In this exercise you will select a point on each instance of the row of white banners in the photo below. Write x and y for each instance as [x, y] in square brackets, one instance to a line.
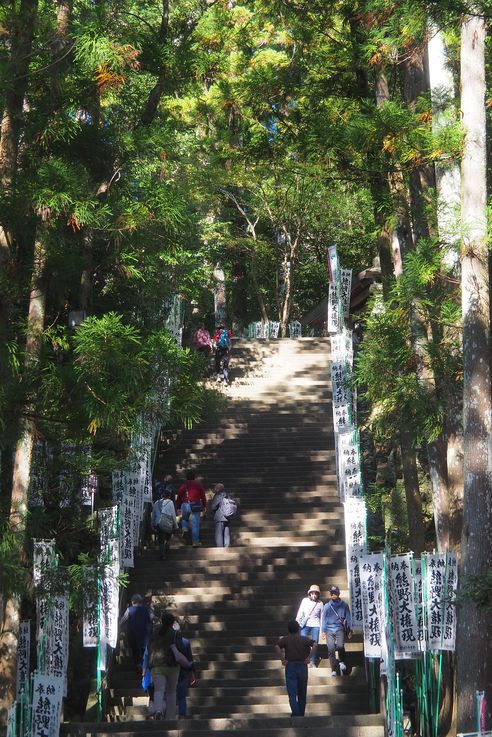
[414, 597]
[119, 528]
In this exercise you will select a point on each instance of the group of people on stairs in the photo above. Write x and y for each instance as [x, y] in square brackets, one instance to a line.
[163, 658]
[219, 345]
[298, 650]
[183, 512]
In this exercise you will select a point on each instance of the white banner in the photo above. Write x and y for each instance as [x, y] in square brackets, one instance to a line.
[356, 543]
[127, 513]
[441, 582]
[118, 486]
[405, 626]
[108, 621]
[419, 603]
[340, 384]
[371, 571]
[38, 478]
[90, 626]
[332, 258]
[334, 318]
[135, 493]
[341, 347]
[108, 525]
[345, 288]
[342, 417]
[46, 706]
[23, 657]
[145, 466]
[66, 478]
[58, 648]
[349, 467]
[44, 557]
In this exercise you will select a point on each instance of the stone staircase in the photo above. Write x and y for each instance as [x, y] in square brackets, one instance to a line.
[273, 450]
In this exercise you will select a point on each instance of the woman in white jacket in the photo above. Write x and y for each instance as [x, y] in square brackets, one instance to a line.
[309, 617]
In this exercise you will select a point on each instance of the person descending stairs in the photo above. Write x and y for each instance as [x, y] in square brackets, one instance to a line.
[274, 452]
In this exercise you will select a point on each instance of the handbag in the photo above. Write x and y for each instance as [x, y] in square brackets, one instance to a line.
[196, 506]
[180, 659]
[166, 520]
[303, 619]
[342, 620]
[147, 680]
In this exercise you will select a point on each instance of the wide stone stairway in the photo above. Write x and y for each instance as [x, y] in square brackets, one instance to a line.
[274, 451]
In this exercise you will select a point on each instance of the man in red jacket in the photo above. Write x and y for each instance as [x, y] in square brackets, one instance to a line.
[191, 502]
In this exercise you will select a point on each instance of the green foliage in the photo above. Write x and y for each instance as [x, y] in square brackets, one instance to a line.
[14, 578]
[398, 378]
[478, 589]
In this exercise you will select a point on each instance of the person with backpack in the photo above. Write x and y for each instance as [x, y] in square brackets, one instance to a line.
[222, 343]
[191, 502]
[225, 510]
[161, 486]
[138, 619]
[164, 656]
[336, 624]
[187, 679]
[163, 521]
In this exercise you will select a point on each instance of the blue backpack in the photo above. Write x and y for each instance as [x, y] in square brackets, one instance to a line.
[224, 340]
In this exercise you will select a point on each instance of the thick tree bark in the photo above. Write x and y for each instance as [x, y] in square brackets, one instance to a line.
[22, 468]
[455, 470]
[20, 54]
[286, 301]
[438, 470]
[412, 491]
[256, 287]
[447, 171]
[415, 84]
[474, 621]
[220, 298]
[8, 653]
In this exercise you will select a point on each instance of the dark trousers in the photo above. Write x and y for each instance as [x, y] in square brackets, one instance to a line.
[222, 362]
[164, 539]
[335, 641]
[296, 680]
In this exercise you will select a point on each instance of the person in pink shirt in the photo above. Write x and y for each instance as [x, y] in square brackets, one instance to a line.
[191, 502]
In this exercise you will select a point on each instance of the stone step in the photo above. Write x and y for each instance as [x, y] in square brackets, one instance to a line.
[341, 705]
[318, 677]
[326, 725]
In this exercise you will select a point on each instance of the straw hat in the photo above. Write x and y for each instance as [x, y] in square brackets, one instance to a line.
[314, 588]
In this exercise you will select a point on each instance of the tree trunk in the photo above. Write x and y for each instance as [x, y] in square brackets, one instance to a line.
[22, 467]
[256, 287]
[455, 469]
[447, 171]
[34, 339]
[474, 621]
[20, 55]
[220, 300]
[85, 299]
[286, 301]
[438, 470]
[8, 654]
[415, 84]
[412, 491]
